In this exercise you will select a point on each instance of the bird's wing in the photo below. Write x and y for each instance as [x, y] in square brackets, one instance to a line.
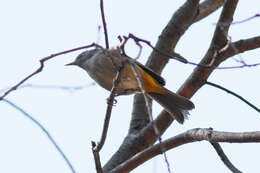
[157, 77]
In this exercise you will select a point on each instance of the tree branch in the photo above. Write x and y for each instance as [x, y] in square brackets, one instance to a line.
[200, 74]
[189, 136]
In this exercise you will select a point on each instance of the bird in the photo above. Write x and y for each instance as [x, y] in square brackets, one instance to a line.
[102, 66]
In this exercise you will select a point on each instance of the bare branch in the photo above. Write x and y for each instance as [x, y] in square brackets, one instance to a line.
[224, 158]
[189, 136]
[42, 61]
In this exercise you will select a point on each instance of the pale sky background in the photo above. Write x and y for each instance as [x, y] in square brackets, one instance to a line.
[31, 30]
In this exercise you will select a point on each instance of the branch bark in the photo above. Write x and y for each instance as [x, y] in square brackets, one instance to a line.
[189, 136]
[207, 7]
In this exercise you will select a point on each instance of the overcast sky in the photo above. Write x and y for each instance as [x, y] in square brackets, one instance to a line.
[31, 30]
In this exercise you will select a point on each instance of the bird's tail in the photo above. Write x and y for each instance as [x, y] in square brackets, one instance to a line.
[174, 104]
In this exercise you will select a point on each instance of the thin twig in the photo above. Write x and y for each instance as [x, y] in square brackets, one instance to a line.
[148, 106]
[224, 158]
[45, 131]
[104, 23]
[149, 110]
[42, 61]
[234, 94]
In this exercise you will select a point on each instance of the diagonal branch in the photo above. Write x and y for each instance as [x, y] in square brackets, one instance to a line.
[200, 74]
[182, 19]
[207, 7]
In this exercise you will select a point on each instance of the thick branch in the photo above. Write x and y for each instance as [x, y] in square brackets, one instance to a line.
[178, 24]
[207, 7]
[189, 136]
[200, 74]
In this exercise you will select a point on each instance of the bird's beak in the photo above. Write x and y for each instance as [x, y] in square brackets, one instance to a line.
[72, 63]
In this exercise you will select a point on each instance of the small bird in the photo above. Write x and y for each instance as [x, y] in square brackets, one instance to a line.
[103, 64]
